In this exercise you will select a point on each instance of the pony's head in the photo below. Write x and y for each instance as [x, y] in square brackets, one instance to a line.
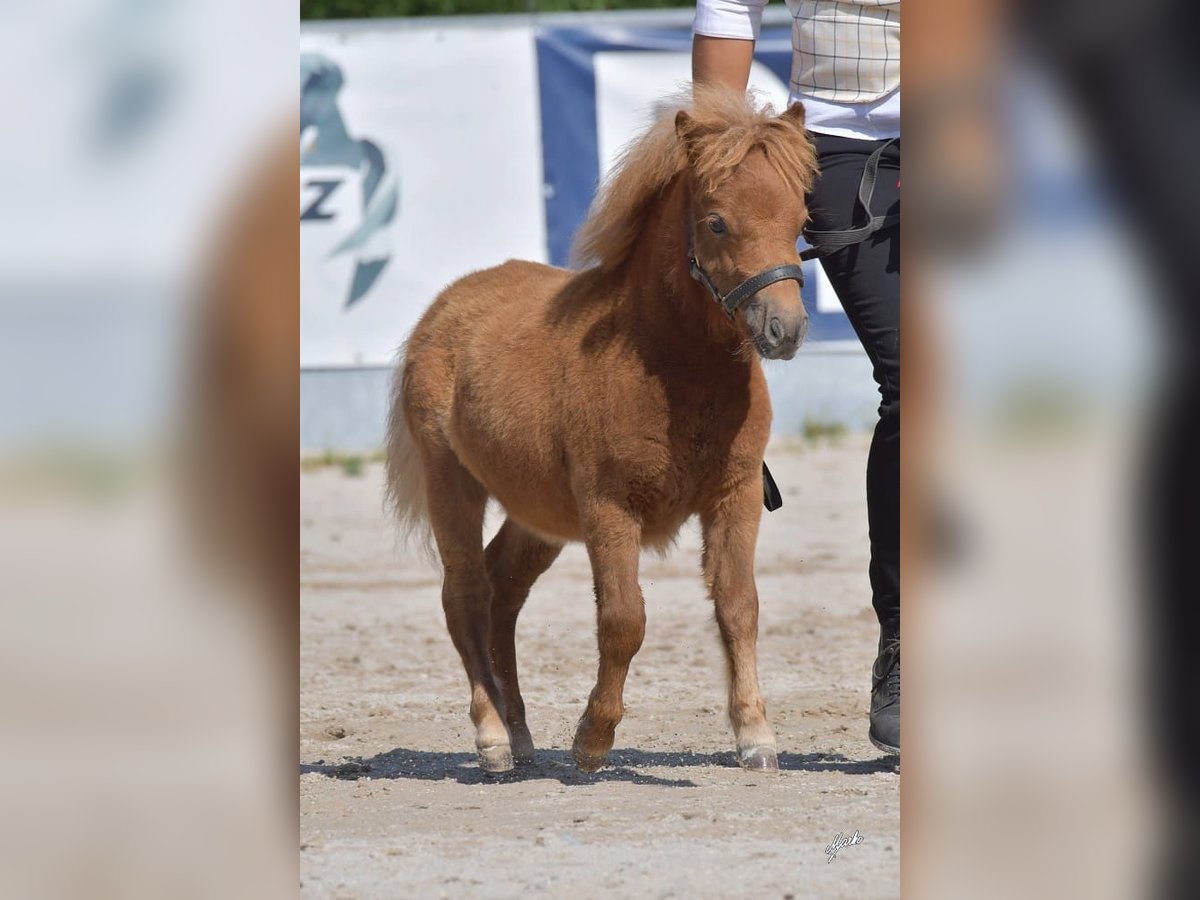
[744, 174]
[748, 173]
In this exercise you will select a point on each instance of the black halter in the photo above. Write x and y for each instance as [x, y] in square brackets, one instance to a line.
[748, 288]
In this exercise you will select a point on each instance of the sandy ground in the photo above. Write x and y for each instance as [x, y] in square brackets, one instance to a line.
[393, 805]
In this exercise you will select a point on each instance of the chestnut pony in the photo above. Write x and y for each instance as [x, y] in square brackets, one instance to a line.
[608, 405]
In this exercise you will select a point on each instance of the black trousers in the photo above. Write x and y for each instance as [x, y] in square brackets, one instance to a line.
[866, 278]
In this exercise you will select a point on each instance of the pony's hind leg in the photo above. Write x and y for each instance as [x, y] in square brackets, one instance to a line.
[515, 559]
[456, 508]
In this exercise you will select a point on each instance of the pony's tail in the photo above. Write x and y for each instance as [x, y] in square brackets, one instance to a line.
[405, 492]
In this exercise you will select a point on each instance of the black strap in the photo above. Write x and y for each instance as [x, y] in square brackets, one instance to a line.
[756, 283]
[701, 276]
[826, 242]
[772, 499]
[748, 288]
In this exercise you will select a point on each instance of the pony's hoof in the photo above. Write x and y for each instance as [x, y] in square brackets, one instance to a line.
[496, 759]
[586, 762]
[759, 759]
[522, 745]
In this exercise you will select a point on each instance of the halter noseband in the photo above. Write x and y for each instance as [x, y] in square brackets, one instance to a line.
[748, 288]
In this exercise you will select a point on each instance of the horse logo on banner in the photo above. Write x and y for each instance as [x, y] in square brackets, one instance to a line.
[333, 164]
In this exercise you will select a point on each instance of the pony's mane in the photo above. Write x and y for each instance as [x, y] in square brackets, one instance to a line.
[728, 126]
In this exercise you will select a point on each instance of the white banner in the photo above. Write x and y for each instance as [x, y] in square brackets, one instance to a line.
[420, 162]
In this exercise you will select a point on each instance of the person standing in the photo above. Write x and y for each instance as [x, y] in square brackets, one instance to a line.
[846, 73]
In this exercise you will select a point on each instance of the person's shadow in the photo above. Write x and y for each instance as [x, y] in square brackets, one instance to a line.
[623, 765]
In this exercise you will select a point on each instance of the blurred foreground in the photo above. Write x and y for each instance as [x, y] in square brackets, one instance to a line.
[1048, 687]
[147, 485]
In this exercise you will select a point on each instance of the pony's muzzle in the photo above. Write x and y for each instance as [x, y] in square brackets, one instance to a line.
[777, 328]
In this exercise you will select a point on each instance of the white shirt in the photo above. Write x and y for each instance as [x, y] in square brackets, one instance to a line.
[877, 119]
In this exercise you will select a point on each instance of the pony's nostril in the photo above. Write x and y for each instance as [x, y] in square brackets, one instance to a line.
[775, 330]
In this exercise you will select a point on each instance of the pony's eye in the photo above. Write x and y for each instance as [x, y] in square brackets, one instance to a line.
[716, 224]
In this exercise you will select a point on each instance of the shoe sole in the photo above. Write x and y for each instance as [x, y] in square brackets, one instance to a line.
[880, 745]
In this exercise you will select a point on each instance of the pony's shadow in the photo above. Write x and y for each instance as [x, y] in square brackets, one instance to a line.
[556, 765]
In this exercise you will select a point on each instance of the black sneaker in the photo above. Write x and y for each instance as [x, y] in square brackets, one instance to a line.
[885, 697]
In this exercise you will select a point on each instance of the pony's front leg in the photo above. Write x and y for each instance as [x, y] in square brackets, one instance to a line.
[614, 544]
[730, 533]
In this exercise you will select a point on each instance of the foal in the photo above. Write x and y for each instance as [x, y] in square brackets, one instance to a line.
[608, 405]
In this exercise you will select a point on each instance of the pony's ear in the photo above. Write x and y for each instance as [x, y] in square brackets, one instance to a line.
[685, 126]
[794, 114]
[688, 130]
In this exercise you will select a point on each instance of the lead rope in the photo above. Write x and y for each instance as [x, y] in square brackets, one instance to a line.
[826, 242]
